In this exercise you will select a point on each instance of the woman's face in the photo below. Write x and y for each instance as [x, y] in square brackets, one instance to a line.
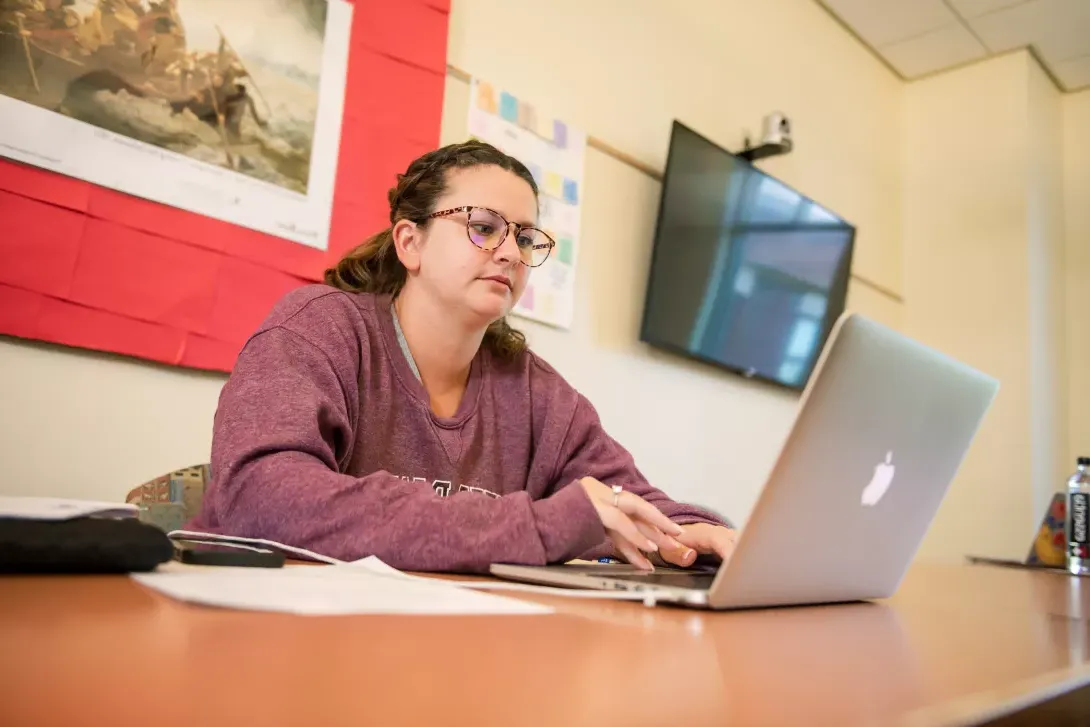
[485, 284]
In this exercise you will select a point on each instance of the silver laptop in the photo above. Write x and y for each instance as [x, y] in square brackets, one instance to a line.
[881, 430]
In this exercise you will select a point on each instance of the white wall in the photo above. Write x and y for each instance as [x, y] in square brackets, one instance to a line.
[983, 247]
[1077, 234]
[1047, 287]
[81, 424]
[701, 434]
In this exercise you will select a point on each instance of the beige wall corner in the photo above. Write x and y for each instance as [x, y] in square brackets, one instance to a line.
[984, 277]
[1076, 113]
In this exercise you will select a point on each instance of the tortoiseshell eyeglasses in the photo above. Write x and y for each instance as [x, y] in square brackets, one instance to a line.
[487, 229]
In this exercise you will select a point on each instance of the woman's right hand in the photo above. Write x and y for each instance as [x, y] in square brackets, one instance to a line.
[633, 524]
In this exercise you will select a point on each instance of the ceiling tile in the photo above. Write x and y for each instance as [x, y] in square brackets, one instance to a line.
[1073, 73]
[880, 22]
[943, 48]
[973, 8]
[1056, 28]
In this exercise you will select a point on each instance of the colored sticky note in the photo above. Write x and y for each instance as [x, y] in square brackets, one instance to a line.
[486, 98]
[571, 191]
[554, 184]
[527, 116]
[544, 127]
[535, 172]
[509, 107]
[560, 134]
[527, 299]
[564, 250]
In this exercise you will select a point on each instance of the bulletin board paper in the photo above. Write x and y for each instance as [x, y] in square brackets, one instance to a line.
[554, 153]
[92, 267]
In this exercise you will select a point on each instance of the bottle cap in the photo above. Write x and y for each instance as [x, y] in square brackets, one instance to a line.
[1084, 462]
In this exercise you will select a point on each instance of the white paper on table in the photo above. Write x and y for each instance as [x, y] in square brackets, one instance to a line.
[60, 508]
[337, 590]
[376, 566]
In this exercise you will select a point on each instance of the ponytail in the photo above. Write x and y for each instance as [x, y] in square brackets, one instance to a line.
[372, 267]
[504, 341]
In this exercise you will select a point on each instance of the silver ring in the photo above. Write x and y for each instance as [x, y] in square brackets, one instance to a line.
[617, 490]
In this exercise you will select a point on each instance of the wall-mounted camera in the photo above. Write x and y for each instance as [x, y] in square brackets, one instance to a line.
[775, 138]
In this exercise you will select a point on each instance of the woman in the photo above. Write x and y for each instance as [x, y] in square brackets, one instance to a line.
[394, 412]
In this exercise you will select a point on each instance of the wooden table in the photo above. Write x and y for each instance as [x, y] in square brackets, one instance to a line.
[955, 642]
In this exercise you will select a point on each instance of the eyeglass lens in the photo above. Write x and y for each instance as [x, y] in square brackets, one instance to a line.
[487, 231]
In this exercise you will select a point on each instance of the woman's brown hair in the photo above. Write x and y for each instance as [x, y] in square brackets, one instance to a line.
[374, 267]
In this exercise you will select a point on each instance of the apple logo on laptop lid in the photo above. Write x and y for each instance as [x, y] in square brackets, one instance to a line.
[880, 482]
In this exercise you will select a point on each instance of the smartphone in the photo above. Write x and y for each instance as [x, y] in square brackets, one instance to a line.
[245, 556]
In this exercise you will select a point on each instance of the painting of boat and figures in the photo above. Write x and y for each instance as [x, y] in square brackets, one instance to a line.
[233, 83]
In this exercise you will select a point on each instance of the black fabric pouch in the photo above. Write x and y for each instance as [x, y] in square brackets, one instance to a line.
[81, 545]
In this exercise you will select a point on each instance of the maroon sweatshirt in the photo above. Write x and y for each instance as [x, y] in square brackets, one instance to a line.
[324, 439]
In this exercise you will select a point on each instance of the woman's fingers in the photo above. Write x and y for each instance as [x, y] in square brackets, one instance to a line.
[723, 542]
[640, 509]
[629, 552]
[633, 524]
[627, 538]
[661, 539]
[707, 538]
[682, 555]
[615, 520]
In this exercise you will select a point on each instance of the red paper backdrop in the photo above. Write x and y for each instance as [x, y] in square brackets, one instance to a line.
[86, 266]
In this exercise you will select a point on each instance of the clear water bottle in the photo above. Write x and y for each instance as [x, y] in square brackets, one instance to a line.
[1077, 523]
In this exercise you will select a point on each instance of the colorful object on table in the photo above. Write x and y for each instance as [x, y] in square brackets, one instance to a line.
[1048, 545]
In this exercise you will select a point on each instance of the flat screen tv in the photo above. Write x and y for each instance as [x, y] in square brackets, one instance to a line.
[746, 273]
